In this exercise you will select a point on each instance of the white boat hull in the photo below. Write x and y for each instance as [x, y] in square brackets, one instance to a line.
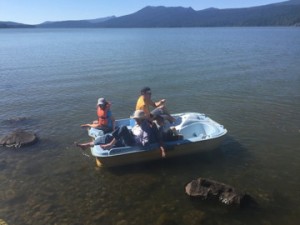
[199, 131]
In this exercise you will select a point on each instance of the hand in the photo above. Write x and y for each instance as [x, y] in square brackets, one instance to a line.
[162, 101]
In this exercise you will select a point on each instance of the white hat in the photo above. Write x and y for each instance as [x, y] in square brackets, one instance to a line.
[101, 101]
[138, 114]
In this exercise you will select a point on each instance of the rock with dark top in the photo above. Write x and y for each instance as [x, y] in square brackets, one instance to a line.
[206, 189]
[18, 138]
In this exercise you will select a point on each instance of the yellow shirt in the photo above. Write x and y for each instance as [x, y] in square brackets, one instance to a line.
[141, 105]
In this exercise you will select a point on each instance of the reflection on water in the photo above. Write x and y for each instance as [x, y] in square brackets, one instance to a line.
[243, 85]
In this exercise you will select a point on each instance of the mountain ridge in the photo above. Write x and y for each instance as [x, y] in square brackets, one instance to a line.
[10, 24]
[278, 14]
[285, 13]
[73, 23]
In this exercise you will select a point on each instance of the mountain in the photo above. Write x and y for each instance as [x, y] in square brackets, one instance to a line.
[73, 23]
[279, 14]
[8, 24]
[99, 20]
[153, 17]
[291, 2]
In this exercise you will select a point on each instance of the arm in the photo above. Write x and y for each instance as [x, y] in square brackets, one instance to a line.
[150, 102]
[155, 104]
[94, 125]
[160, 102]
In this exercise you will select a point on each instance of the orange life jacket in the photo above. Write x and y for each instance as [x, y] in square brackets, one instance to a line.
[102, 115]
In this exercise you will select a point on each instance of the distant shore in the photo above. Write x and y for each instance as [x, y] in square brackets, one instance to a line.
[279, 14]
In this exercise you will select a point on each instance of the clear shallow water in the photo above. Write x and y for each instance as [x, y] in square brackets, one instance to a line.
[247, 79]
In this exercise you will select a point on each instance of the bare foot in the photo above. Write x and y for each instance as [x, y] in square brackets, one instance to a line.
[106, 147]
[82, 146]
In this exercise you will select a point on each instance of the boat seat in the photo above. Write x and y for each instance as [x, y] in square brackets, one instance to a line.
[193, 130]
[94, 132]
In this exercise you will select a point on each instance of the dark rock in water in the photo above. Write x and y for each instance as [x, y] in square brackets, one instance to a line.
[206, 188]
[18, 138]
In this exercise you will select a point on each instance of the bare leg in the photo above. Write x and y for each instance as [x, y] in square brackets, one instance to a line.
[163, 152]
[171, 118]
[109, 145]
[168, 115]
[84, 146]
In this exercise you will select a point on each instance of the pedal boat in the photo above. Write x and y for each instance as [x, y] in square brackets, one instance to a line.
[200, 133]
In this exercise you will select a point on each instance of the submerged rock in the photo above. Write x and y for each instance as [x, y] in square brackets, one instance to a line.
[206, 188]
[18, 138]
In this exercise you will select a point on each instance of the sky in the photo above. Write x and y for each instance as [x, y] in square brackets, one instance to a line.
[38, 11]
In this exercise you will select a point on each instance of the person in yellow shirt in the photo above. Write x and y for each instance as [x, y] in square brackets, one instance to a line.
[144, 102]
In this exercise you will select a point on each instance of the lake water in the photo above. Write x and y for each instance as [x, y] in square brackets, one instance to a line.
[247, 79]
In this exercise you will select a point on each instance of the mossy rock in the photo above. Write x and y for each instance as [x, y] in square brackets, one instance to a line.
[18, 138]
[210, 189]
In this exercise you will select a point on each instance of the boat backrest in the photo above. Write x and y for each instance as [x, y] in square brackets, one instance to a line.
[132, 122]
[94, 132]
[123, 122]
